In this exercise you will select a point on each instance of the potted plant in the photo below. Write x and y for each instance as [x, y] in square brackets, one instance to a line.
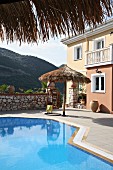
[11, 89]
[44, 86]
[82, 95]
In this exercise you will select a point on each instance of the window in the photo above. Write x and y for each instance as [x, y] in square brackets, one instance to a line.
[78, 52]
[98, 82]
[98, 43]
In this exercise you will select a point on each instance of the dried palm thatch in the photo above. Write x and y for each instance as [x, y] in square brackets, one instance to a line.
[64, 74]
[31, 20]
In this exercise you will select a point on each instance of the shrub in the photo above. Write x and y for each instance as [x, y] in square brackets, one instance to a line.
[3, 88]
[28, 91]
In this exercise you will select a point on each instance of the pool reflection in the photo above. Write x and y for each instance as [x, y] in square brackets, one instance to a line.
[8, 125]
[53, 130]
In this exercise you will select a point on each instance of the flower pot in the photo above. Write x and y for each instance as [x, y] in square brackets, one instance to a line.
[11, 89]
[94, 105]
[73, 85]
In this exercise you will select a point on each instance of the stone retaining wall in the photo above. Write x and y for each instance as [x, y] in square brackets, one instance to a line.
[22, 101]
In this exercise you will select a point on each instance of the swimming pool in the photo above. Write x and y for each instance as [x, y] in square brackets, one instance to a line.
[41, 144]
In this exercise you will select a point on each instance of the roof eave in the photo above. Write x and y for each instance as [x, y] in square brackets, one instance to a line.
[101, 28]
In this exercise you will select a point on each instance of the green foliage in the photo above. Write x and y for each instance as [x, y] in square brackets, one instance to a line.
[3, 88]
[82, 96]
[82, 92]
[28, 91]
[17, 93]
[44, 85]
[21, 90]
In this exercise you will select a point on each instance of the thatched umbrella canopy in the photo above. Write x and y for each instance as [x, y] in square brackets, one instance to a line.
[64, 74]
[31, 20]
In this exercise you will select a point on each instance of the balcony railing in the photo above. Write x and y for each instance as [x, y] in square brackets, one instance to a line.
[99, 57]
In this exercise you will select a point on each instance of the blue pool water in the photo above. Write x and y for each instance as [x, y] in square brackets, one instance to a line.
[39, 144]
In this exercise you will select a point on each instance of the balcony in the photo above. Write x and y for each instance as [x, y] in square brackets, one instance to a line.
[99, 57]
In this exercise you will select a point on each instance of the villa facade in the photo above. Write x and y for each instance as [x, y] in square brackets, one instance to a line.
[91, 53]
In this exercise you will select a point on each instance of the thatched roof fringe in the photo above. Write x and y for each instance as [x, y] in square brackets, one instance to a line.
[30, 20]
[17, 23]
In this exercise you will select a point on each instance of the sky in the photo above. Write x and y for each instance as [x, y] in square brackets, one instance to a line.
[52, 51]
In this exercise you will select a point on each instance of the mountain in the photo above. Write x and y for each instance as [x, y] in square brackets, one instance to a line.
[22, 71]
[62, 65]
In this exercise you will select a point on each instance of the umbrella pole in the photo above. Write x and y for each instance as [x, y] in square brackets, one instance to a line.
[64, 100]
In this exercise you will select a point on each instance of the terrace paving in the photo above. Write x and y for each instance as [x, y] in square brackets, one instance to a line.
[100, 125]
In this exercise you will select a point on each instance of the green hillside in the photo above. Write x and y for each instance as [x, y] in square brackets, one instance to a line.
[22, 71]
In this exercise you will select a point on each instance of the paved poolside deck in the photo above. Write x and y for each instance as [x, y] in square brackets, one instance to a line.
[100, 124]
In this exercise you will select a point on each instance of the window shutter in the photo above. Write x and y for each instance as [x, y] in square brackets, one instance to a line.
[75, 56]
[94, 45]
[102, 43]
[80, 52]
[93, 83]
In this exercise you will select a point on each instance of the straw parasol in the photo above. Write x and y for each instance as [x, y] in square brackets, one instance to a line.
[31, 20]
[64, 74]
